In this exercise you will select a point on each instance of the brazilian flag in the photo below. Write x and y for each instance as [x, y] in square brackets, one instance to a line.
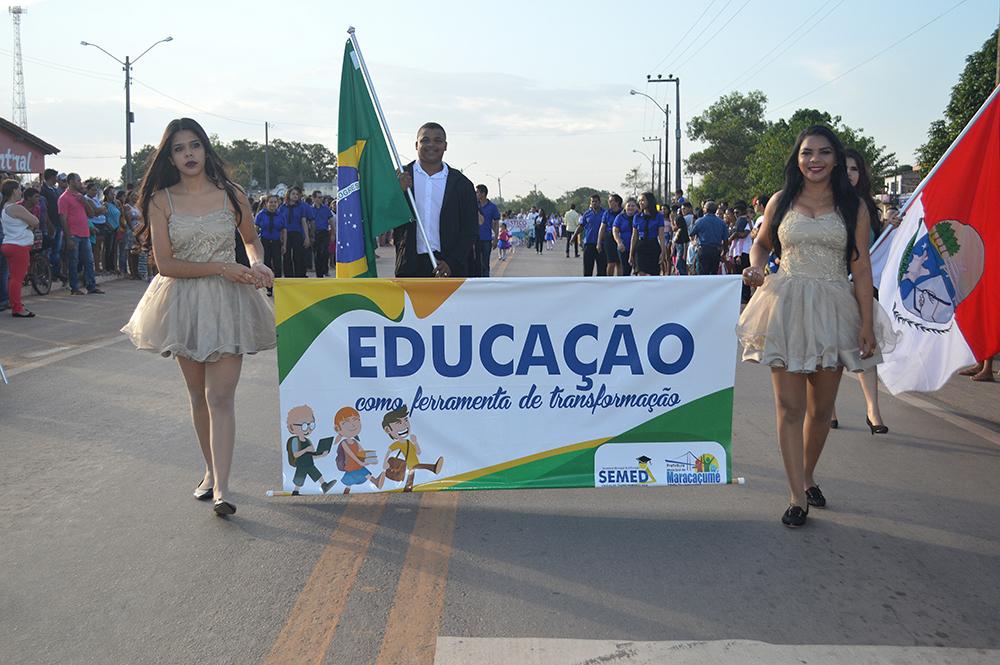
[369, 198]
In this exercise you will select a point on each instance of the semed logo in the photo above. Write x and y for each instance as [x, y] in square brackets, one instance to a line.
[637, 473]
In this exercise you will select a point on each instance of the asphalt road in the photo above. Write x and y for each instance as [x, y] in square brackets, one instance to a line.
[106, 558]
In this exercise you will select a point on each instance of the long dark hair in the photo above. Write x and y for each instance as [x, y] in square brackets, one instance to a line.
[162, 173]
[650, 199]
[6, 189]
[864, 188]
[845, 198]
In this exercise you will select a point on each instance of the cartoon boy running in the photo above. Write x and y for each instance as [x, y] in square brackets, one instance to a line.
[301, 452]
[350, 454]
[396, 424]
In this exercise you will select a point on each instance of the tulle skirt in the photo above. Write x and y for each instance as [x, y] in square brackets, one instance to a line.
[202, 319]
[804, 325]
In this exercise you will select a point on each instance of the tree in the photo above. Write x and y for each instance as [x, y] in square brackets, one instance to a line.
[636, 181]
[731, 128]
[766, 163]
[974, 85]
[581, 197]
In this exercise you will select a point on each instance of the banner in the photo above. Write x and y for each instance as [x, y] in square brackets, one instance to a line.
[450, 384]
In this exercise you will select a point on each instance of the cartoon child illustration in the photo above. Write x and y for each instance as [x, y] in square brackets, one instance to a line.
[396, 424]
[301, 451]
[351, 457]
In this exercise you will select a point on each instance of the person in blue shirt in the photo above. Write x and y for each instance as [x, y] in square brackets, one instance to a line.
[711, 233]
[606, 240]
[589, 229]
[271, 228]
[489, 228]
[622, 231]
[647, 238]
[321, 215]
[298, 238]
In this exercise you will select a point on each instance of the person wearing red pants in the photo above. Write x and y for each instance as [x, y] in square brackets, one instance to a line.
[18, 237]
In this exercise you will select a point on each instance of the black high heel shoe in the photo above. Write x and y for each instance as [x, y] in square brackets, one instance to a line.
[876, 429]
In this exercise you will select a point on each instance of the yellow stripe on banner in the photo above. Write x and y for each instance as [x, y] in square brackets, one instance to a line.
[353, 268]
[352, 156]
[294, 295]
[445, 483]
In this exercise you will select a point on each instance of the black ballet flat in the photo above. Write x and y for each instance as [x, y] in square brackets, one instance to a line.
[795, 516]
[814, 497]
[876, 429]
[23, 314]
[224, 508]
[834, 424]
[204, 494]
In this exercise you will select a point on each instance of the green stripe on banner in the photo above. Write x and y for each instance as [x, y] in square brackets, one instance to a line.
[709, 418]
[300, 331]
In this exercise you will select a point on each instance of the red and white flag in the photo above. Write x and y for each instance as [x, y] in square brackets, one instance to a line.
[941, 280]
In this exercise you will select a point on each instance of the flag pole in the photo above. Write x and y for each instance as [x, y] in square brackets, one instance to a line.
[951, 148]
[392, 144]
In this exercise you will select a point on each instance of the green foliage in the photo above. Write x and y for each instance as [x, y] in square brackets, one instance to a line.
[731, 127]
[974, 85]
[766, 163]
[291, 162]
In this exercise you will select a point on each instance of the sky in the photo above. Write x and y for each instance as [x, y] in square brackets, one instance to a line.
[535, 92]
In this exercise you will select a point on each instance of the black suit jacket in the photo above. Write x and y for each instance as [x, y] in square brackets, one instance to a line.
[459, 226]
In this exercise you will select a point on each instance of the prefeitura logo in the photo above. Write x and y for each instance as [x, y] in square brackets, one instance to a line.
[693, 469]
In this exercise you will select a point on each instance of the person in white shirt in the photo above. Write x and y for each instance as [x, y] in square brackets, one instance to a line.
[18, 236]
[446, 202]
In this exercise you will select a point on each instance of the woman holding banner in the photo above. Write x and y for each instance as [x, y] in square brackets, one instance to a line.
[202, 307]
[808, 322]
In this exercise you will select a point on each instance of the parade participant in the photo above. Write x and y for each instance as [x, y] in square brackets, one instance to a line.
[321, 216]
[622, 231]
[807, 322]
[74, 210]
[740, 244]
[503, 241]
[202, 308]
[540, 230]
[489, 220]
[857, 174]
[446, 200]
[679, 246]
[271, 227]
[571, 220]
[297, 216]
[647, 241]
[605, 238]
[588, 230]
[710, 231]
[18, 236]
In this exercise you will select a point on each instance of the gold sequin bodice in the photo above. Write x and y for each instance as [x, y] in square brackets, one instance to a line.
[813, 247]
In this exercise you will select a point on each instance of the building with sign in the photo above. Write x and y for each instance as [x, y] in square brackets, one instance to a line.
[21, 151]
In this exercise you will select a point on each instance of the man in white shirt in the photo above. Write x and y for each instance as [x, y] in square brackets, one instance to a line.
[446, 202]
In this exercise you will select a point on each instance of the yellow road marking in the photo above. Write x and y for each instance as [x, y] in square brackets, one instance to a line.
[311, 624]
[415, 618]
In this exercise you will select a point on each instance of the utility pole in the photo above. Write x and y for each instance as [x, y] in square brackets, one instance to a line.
[267, 161]
[498, 177]
[20, 107]
[677, 111]
[659, 180]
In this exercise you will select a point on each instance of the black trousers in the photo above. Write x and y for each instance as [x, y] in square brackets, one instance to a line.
[742, 263]
[572, 238]
[295, 255]
[591, 256]
[481, 257]
[708, 259]
[321, 253]
[272, 256]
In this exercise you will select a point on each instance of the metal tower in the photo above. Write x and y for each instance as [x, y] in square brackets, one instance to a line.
[20, 107]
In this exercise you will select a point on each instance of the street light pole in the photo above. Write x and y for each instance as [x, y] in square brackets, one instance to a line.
[659, 180]
[677, 110]
[666, 117]
[129, 119]
[498, 177]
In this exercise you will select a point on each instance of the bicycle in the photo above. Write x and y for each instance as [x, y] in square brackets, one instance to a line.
[39, 272]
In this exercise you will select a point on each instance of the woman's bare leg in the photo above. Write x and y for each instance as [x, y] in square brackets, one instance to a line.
[869, 386]
[194, 377]
[790, 410]
[821, 393]
[221, 378]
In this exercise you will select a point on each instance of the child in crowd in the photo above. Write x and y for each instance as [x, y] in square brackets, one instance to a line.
[550, 235]
[503, 242]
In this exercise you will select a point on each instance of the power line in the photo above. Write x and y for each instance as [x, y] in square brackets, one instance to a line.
[698, 36]
[877, 54]
[681, 40]
[722, 27]
[783, 42]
